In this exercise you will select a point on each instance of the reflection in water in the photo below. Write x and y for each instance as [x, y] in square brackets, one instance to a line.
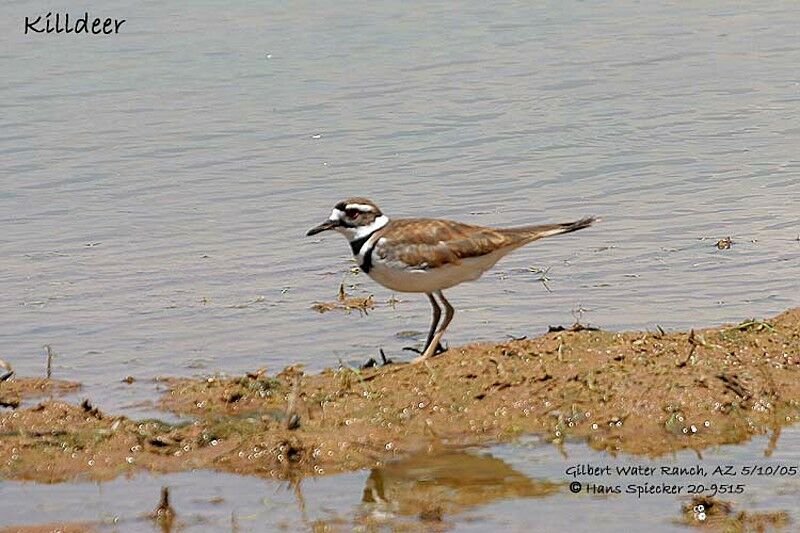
[398, 495]
[448, 482]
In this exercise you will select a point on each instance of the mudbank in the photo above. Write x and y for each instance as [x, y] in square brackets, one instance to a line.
[647, 393]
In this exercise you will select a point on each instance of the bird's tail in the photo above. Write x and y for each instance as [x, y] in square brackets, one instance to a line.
[533, 233]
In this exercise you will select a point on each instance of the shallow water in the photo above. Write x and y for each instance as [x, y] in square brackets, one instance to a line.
[155, 186]
[509, 488]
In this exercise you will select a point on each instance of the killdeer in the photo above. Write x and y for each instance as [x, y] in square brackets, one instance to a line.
[428, 255]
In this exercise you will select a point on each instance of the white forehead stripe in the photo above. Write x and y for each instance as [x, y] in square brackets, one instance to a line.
[335, 215]
[364, 208]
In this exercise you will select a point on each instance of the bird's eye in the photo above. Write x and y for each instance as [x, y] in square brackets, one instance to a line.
[352, 213]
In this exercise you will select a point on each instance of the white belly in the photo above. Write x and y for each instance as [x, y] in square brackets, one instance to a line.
[399, 278]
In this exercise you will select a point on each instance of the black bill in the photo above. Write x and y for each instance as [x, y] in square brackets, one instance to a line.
[325, 226]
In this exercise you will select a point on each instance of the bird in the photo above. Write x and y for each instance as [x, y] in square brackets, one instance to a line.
[428, 255]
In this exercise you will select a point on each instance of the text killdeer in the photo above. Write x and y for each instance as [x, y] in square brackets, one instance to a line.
[428, 255]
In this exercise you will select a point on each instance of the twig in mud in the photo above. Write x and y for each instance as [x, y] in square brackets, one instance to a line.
[700, 340]
[758, 325]
[50, 354]
[164, 515]
[293, 422]
[429, 429]
[693, 344]
[695, 341]
[577, 314]
[292, 415]
[346, 303]
[543, 279]
[345, 371]
[732, 383]
[773, 441]
[724, 244]
[297, 488]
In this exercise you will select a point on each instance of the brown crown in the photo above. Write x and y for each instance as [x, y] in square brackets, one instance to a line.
[358, 200]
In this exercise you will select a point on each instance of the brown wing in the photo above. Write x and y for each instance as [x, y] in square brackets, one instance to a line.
[429, 243]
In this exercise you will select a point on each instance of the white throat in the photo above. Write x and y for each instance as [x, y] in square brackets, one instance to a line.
[354, 234]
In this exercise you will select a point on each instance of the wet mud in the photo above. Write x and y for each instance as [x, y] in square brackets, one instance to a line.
[643, 393]
[14, 390]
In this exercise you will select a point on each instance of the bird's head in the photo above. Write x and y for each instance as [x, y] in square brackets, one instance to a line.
[354, 218]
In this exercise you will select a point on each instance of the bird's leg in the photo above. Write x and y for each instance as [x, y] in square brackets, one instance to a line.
[433, 344]
[437, 314]
[449, 312]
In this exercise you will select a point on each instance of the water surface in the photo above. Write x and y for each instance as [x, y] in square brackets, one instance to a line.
[156, 185]
[522, 487]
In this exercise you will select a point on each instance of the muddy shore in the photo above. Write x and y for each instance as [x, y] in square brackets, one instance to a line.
[644, 393]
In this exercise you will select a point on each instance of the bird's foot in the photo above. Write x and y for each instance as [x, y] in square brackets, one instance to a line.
[428, 353]
[439, 349]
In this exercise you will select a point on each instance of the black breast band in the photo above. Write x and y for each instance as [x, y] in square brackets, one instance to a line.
[356, 246]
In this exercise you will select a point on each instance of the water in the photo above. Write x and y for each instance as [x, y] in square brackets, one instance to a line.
[155, 186]
[506, 488]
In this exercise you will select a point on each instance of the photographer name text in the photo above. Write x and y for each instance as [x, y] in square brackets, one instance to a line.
[681, 480]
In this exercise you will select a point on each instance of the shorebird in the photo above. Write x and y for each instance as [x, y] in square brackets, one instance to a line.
[428, 255]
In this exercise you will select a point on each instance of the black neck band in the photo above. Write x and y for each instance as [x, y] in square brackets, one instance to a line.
[356, 246]
[358, 243]
[366, 266]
